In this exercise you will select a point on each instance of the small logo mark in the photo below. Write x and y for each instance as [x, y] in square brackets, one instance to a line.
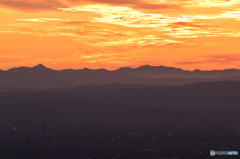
[212, 153]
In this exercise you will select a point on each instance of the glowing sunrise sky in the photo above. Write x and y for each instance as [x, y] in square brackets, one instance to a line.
[61, 34]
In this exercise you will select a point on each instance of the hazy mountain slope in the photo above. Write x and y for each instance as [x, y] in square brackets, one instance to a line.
[210, 98]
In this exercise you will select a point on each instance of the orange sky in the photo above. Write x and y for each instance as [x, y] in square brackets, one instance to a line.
[61, 34]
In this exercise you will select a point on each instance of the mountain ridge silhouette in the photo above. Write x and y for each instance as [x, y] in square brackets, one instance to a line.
[42, 77]
[145, 69]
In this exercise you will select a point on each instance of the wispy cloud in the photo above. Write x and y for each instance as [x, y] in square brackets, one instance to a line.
[218, 59]
[43, 20]
[184, 26]
[129, 17]
[32, 5]
[96, 36]
[13, 58]
[235, 14]
[211, 3]
[145, 41]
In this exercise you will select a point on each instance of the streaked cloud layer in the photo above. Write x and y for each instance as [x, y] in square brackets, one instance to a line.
[191, 34]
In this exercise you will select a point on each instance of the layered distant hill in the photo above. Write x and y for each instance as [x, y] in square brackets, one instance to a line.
[123, 101]
[41, 77]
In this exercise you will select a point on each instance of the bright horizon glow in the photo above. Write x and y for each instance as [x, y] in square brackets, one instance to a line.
[66, 34]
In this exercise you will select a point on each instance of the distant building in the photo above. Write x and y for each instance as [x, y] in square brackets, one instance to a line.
[43, 133]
